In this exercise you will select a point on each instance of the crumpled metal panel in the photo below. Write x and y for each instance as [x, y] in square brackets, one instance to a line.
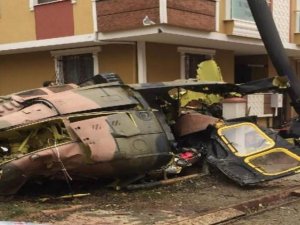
[61, 88]
[143, 146]
[193, 122]
[147, 122]
[85, 99]
[14, 102]
[31, 113]
[133, 123]
[122, 124]
[47, 162]
[10, 104]
[96, 134]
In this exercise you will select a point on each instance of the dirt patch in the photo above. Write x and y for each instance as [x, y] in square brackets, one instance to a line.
[160, 205]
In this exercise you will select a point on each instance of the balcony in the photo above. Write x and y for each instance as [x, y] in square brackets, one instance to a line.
[238, 19]
[120, 15]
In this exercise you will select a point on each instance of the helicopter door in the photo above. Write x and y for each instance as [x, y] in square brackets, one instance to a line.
[249, 155]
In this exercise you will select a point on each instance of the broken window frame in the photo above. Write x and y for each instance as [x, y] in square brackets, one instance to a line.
[274, 150]
[242, 170]
[234, 149]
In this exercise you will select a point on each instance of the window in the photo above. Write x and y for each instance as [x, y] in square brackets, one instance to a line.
[33, 3]
[239, 10]
[77, 68]
[274, 162]
[191, 62]
[190, 59]
[45, 1]
[76, 65]
[245, 138]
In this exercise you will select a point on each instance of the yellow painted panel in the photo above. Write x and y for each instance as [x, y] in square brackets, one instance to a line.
[120, 59]
[222, 16]
[293, 17]
[225, 60]
[25, 71]
[17, 22]
[163, 62]
[83, 17]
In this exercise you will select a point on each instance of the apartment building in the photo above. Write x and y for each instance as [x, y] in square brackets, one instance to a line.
[142, 41]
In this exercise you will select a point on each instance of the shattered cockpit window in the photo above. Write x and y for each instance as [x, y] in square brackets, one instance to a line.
[245, 139]
[274, 162]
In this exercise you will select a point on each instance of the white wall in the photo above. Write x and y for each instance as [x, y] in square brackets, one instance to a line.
[281, 14]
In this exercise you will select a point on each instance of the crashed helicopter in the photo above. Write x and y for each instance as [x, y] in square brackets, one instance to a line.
[106, 129]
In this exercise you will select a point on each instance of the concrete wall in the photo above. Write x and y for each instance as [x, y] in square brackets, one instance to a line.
[25, 71]
[120, 59]
[16, 21]
[83, 17]
[281, 15]
[225, 60]
[163, 62]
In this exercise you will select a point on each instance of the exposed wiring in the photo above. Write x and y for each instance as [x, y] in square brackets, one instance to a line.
[63, 168]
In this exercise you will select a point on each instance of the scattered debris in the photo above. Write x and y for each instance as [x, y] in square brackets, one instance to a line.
[104, 129]
[65, 197]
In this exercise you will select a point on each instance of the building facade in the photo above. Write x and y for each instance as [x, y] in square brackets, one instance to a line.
[142, 41]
